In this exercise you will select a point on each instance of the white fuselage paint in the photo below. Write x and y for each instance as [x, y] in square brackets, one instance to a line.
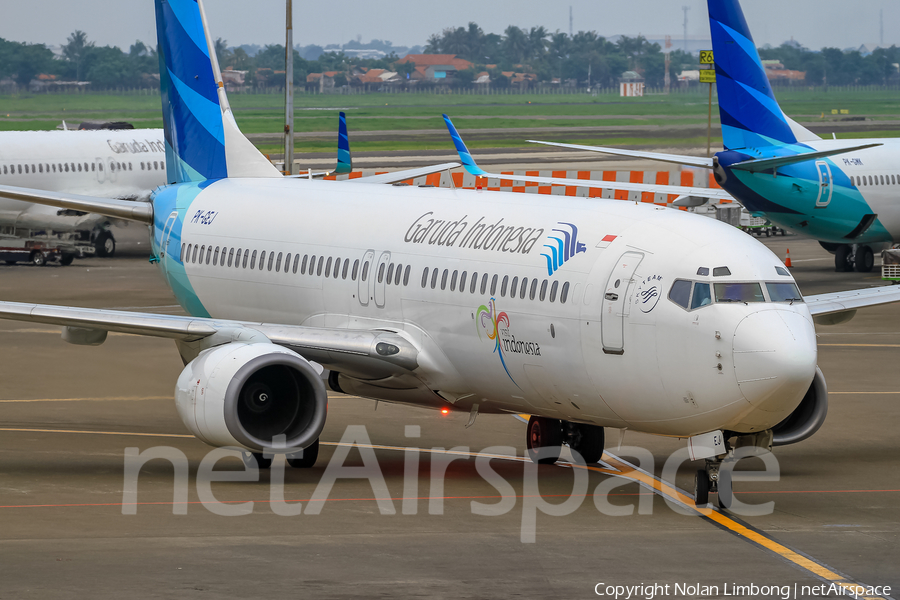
[125, 164]
[735, 366]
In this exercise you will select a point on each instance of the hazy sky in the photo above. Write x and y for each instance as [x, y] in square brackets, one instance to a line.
[814, 23]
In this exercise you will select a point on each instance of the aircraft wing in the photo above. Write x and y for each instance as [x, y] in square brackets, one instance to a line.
[839, 307]
[373, 352]
[469, 163]
[689, 161]
[398, 176]
[141, 212]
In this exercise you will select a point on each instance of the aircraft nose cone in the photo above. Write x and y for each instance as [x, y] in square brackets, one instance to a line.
[774, 357]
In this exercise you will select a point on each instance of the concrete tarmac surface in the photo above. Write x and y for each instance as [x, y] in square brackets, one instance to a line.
[68, 414]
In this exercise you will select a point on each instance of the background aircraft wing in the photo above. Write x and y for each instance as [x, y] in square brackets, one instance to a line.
[838, 307]
[398, 176]
[469, 163]
[375, 353]
[141, 212]
[678, 159]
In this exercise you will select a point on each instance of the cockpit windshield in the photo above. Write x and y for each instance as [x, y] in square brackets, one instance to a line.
[739, 292]
[784, 292]
[691, 295]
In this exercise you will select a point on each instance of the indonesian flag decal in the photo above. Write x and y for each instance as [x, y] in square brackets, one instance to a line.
[606, 241]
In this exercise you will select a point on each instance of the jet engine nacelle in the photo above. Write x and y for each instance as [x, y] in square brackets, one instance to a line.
[246, 394]
[807, 417]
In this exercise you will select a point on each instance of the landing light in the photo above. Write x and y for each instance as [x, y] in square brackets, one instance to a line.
[445, 411]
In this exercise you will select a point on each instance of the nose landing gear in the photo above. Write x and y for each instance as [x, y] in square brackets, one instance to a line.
[706, 481]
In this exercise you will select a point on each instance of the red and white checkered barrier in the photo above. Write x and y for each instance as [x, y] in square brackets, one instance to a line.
[687, 177]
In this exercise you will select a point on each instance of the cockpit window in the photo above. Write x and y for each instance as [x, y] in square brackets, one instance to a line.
[721, 271]
[782, 271]
[739, 292]
[680, 293]
[783, 292]
[701, 295]
[703, 271]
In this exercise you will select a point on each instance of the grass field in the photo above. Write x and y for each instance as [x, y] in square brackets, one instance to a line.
[263, 113]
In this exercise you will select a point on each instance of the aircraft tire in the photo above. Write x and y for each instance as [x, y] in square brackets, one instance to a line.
[842, 262]
[865, 260]
[544, 440]
[590, 444]
[256, 459]
[701, 488]
[105, 245]
[308, 460]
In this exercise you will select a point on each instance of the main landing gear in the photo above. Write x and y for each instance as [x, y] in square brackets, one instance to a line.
[305, 460]
[851, 257]
[545, 438]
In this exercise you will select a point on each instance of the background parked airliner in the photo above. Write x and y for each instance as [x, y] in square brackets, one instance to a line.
[125, 164]
[585, 313]
[842, 193]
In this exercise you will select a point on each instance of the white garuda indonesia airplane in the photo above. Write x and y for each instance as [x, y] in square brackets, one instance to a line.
[125, 164]
[585, 313]
[840, 192]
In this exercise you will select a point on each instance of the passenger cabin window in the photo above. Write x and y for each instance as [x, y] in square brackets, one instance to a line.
[355, 270]
[494, 285]
[514, 286]
[405, 275]
[564, 294]
[553, 289]
[462, 281]
[328, 267]
[425, 278]
[434, 276]
[504, 286]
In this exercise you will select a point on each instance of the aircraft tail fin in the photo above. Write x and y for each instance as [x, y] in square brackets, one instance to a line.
[344, 158]
[751, 117]
[203, 141]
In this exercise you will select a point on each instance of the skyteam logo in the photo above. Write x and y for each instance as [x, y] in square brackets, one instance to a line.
[562, 246]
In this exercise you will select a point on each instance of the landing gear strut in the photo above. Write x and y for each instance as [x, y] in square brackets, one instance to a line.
[706, 481]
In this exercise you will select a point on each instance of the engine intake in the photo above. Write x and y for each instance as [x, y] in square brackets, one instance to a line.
[807, 417]
[247, 394]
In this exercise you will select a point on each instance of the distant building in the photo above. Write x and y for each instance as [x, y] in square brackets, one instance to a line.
[631, 84]
[435, 67]
[776, 72]
[234, 80]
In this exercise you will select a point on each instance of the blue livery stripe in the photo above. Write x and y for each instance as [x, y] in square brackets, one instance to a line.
[746, 102]
[192, 115]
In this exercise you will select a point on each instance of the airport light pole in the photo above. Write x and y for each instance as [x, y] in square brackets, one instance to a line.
[289, 91]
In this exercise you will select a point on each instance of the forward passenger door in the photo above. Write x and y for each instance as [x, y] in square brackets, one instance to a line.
[615, 300]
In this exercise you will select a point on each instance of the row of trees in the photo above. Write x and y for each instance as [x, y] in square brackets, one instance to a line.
[584, 57]
[831, 66]
[82, 60]
[587, 56]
